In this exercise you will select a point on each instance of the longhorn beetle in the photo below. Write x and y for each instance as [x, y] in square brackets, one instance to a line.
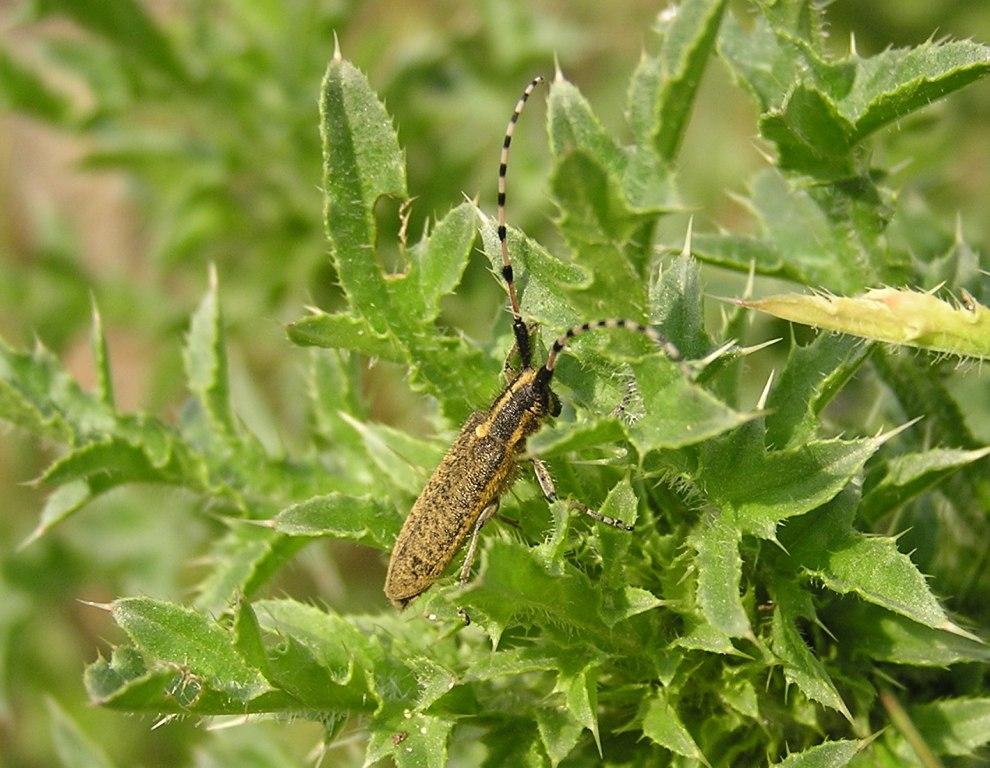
[464, 491]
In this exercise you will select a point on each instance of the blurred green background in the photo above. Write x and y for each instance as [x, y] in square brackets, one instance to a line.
[144, 153]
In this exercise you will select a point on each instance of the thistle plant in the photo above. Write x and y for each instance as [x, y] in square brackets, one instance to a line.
[805, 583]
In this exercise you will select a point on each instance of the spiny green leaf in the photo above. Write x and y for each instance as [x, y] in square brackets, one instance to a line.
[758, 60]
[891, 315]
[811, 135]
[177, 635]
[17, 408]
[551, 550]
[206, 362]
[661, 724]
[801, 666]
[437, 264]
[699, 635]
[341, 331]
[124, 676]
[512, 663]
[626, 603]
[687, 33]
[911, 474]
[596, 223]
[800, 239]
[886, 636]
[158, 442]
[830, 754]
[816, 111]
[740, 252]
[405, 460]
[871, 566]
[339, 516]
[144, 452]
[813, 375]
[899, 81]
[547, 279]
[740, 694]
[247, 637]
[336, 642]
[719, 564]
[101, 360]
[564, 437]
[650, 188]
[559, 732]
[874, 569]
[330, 659]
[954, 726]
[676, 306]
[593, 206]
[113, 457]
[297, 669]
[572, 125]
[37, 394]
[564, 602]
[580, 691]
[620, 504]
[124, 683]
[641, 99]
[241, 561]
[61, 503]
[434, 681]
[765, 487]
[458, 374]
[437, 362]
[362, 162]
[676, 412]
[419, 741]
[804, 19]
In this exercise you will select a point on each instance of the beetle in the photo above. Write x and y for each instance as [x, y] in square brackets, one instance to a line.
[482, 463]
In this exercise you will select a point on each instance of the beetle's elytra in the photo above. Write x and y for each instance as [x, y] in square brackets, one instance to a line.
[464, 490]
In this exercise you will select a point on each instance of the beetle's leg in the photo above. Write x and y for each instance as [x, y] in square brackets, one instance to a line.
[545, 481]
[550, 494]
[509, 370]
[486, 514]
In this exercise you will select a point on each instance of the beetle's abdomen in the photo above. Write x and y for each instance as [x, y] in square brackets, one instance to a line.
[469, 478]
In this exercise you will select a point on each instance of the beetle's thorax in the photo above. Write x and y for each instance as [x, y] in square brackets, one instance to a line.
[519, 410]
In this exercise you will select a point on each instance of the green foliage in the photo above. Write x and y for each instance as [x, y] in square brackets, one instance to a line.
[770, 590]
[75, 749]
[895, 316]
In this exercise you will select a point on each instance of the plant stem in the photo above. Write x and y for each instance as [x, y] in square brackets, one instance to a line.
[902, 722]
